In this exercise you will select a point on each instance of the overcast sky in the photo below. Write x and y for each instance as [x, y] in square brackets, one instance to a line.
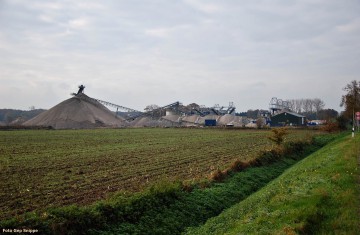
[140, 52]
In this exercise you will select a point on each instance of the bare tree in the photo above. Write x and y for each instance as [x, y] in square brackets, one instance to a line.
[318, 104]
[291, 104]
[299, 105]
[193, 106]
[307, 105]
[260, 122]
[151, 107]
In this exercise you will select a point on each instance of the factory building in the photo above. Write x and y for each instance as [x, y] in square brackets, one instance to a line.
[287, 118]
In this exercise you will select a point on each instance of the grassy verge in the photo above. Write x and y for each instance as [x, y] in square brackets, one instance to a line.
[165, 208]
[319, 195]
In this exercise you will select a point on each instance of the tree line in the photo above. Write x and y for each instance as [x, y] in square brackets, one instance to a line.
[7, 116]
[306, 105]
[313, 109]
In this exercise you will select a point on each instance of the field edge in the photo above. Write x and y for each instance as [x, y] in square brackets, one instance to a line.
[304, 200]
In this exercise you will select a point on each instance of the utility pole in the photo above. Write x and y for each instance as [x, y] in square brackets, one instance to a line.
[356, 90]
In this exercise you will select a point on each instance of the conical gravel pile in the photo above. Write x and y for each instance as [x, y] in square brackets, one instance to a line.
[78, 112]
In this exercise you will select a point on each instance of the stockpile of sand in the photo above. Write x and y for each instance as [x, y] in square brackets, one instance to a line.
[233, 120]
[193, 119]
[251, 125]
[78, 112]
[153, 122]
[143, 122]
[172, 118]
[226, 119]
[18, 121]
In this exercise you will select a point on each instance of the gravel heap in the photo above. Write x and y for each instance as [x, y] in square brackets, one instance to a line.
[78, 112]
[229, 119]
[18, 121]
[165, 121]
[83, 112]
[172, 118]
[193, 120]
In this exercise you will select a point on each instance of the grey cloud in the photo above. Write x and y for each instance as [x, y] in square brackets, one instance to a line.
[184, 50]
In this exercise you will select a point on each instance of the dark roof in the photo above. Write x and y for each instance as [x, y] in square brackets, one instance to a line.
[291, 113]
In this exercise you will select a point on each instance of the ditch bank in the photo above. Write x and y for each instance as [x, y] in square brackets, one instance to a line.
[319, 195]
[170, 207]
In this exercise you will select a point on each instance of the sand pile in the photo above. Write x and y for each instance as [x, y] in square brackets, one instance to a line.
[144, 122]
[78, 112]
[226, 119]
[193, 119]
[251, 125]
[229, 119]
[166, 121]
[18, 121]
[172, 118]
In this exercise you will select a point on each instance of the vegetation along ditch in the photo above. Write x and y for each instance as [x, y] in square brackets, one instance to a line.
[171, 207]
[319, 195]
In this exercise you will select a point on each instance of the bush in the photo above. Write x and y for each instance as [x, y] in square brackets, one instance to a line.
[330, 127]
[239, 166]
[278, 135]
[217, 176]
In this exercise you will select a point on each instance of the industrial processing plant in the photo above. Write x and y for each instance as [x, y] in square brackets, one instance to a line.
[82, 111]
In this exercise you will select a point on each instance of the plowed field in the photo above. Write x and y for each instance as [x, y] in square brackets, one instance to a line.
[42, 168]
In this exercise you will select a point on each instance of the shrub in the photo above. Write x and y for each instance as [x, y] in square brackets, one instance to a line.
[239, 166]
[267, 157]
[278, 135]
[217, 176]
[330, 127]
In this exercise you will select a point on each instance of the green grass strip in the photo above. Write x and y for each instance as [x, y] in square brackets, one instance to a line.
[191, 209]
[318, 195]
